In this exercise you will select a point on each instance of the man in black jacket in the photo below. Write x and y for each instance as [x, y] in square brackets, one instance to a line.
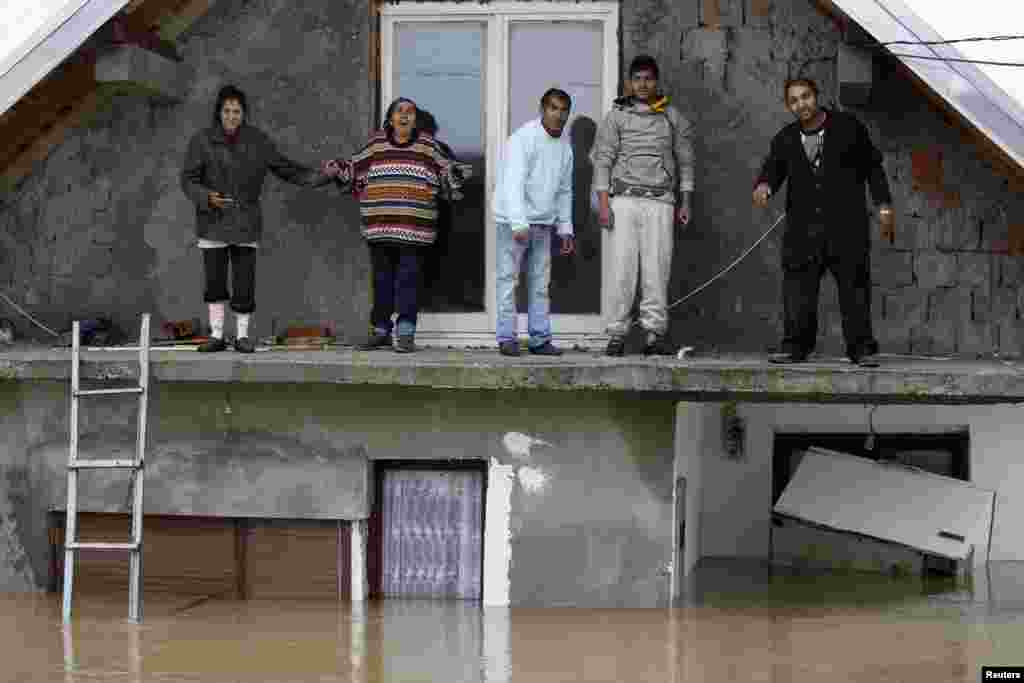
[827, 156]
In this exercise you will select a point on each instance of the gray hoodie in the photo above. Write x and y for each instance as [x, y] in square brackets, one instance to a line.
[644, 148]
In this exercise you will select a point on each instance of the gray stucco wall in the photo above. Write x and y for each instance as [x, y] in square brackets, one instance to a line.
[102, 228]
[591, 507]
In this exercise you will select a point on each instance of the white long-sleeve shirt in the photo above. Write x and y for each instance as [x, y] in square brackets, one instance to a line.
[535, 180]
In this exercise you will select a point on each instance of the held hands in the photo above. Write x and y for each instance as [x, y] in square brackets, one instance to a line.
[330, 168]
[568, 245]
[217, 200]
[762, 193]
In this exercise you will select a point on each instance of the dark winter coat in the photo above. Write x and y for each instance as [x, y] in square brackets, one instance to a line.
[826, 213]
[237, 170]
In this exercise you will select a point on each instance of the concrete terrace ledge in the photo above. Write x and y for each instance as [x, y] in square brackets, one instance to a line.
[750, 377]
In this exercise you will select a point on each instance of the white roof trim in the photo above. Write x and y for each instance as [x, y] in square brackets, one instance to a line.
[964, 86]
[61, 30]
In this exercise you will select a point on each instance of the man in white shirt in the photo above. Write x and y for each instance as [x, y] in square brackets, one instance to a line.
[533, 197]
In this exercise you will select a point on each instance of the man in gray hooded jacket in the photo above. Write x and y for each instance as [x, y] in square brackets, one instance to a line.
[643, 177]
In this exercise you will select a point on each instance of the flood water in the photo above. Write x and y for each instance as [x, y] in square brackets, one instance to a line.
[738, 627]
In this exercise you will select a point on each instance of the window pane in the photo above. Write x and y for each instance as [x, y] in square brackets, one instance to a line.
[440, 67]
[577, 69]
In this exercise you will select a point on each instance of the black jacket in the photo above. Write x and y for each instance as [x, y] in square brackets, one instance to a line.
[826, 213]
[238, 170]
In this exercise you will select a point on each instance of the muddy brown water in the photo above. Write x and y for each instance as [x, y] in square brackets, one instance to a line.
[779, 630]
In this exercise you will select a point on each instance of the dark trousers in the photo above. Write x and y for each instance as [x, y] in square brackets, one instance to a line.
[800, 288]
[396, 283]
[243, 277]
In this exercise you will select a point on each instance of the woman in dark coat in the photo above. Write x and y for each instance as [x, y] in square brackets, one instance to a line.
[223, 175]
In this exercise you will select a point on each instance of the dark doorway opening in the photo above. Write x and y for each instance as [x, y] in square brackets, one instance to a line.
[943, 454]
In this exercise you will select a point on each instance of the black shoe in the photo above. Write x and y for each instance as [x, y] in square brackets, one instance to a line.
[788, 358]
[546, 349]
[659, 346]
[509, 348]
[864, 356]
[245, 345]
[405, 344]
[616, 347]
[212, 345]
[375, 342]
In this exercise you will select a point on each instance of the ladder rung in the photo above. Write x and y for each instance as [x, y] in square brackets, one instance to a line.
[109, 392]
[105, 464]
[102, 546]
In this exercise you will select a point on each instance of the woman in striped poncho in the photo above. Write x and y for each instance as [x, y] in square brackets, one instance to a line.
[398, 177]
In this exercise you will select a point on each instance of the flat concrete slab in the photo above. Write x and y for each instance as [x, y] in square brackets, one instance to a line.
[898, 379]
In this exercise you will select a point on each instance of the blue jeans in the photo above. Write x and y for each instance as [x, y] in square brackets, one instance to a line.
[538, 271]
[396, 283]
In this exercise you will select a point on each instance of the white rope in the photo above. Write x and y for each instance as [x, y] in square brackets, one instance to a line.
[25, 313]
[732, 265]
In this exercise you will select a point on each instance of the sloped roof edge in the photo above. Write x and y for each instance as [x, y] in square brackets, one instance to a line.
[60, 32]
[963, 86]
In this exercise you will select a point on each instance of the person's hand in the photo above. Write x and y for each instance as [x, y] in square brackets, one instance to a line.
[568, 245]
[521, 235]
[219, 201]
[887, 219]
[683, 215]
[330, 168]
[762, 193]
[604, 211]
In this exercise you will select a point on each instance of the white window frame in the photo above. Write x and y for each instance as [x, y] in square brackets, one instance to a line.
[464, 329]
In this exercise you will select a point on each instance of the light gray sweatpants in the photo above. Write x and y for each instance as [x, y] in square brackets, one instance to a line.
[641, 245]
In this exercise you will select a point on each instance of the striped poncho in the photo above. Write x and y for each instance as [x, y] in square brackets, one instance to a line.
[398, 186]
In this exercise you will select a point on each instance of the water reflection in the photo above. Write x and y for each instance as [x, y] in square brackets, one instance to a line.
[721, 636]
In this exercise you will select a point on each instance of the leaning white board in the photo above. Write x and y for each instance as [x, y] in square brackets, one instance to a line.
[891, 502]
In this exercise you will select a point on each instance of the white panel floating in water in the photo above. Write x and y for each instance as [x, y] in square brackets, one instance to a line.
[934, 514]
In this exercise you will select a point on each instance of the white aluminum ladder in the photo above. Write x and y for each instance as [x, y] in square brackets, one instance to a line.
[134, 546]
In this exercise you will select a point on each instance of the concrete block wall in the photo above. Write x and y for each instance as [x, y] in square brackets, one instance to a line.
[951, 281]
[101, 226]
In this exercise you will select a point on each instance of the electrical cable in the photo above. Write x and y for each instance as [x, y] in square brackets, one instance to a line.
[729, 267]
[972, 39]
[25, 313]
[960, 60]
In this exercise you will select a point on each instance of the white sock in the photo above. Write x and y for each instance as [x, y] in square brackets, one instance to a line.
[217, 320]
[242, 324]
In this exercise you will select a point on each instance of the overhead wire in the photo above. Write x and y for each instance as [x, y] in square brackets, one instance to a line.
[961, 60]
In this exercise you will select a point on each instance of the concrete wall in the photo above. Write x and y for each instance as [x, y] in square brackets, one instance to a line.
[588, 512]
[736, 493]
[101, 226]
